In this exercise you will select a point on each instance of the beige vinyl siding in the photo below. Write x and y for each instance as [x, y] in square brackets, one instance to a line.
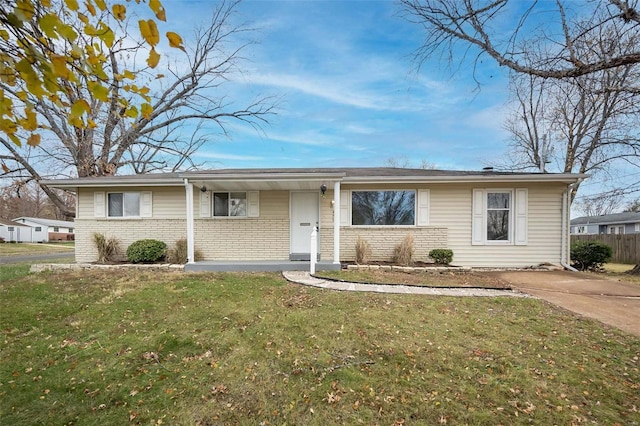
[451, 207]
[168, 202]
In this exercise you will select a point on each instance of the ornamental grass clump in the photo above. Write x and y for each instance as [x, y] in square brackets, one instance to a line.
[403, 252]
[178, 253]
[363, 251]
[146, 251]
[108, 248]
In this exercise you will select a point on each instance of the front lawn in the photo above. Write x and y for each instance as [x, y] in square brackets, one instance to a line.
[19, 249]
[98, 347]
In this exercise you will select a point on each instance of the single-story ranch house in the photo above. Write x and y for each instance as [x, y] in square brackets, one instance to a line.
[488, 218]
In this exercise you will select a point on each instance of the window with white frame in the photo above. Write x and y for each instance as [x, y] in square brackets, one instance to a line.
[499, 216]
[38, 229]
[123, 204]
[636, 228]
[56, 229]
[581, 230]
[10, 228]
[383, 208]
[229, 204]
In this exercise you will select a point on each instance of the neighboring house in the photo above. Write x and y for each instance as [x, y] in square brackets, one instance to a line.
[13, 231]
[48, 229]
[617, 223]
[487, 218]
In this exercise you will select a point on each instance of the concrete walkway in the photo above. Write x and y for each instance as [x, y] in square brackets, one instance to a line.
[612, 302]
[303, 277]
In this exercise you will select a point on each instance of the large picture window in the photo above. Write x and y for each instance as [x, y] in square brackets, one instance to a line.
[230, 204]
[124, 204]
[498, 216]
[386, 208]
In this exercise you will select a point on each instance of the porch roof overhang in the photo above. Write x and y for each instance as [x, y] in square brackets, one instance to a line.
[263, 181]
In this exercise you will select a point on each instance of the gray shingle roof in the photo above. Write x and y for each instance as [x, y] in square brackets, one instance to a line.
[627, 217]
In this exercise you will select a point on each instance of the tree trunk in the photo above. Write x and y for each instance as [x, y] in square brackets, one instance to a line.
[635, 270]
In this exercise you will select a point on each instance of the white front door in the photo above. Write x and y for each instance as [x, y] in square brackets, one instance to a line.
[304, 216]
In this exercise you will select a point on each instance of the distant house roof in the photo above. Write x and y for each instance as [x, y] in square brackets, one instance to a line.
[46, 222]
[7, 222]
[607, 219]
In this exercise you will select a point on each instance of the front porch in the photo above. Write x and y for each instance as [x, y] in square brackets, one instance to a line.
[258, 266]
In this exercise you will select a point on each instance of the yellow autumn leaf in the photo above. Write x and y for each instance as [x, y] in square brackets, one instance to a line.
[175, 40]
[91, 124]
[101, 5]
[132, 112]
[98, 91]
[4, 34]
[76, 121]
[153, 58]
[45, 3]
[147, 109]
[71, 4]
[48, 24]
[129, 75]
[34, 140]
[119, 11]
[149, 31]
[79, 107]
[59, 64]
[24, 10]
[90, 8]
[106, 35]
[158, 9]
[30, 121]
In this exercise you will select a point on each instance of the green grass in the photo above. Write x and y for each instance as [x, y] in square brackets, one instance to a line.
[140, 347]
[9, 249]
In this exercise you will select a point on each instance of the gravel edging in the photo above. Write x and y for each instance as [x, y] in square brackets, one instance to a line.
[304, 278]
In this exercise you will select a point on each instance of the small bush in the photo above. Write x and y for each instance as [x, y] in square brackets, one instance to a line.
[178, 253]
[441, 256]
[403, 252]
[146, 251]
[363, 251]
[108, 248]
[590, 255]
[1, 240]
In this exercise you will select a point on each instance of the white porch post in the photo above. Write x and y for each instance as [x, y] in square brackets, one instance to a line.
[190, 232]
[336, 222]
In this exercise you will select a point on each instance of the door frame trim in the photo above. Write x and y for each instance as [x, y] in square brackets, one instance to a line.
[304, 255]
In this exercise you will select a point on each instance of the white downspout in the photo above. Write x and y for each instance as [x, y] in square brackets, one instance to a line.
[190, 229]
[336, 223]
[565, 242]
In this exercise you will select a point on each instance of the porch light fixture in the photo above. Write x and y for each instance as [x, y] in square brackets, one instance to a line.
[203, 188]
[323, 189]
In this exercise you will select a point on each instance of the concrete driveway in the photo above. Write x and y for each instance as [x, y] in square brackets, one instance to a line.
[613, 302]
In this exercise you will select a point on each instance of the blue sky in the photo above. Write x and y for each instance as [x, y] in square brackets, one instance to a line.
[349, 91]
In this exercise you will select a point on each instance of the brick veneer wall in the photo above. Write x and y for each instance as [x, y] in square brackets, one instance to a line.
[243, 239]
[384, 240]
[126, 231]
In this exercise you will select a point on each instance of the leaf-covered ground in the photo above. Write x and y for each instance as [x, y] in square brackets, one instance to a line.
[151, 348]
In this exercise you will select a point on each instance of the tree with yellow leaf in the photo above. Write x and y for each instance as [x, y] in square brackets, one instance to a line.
[87, 92]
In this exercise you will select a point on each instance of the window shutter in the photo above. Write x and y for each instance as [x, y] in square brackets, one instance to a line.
[205, 204]
[423, 207]
[521, 207]
[477, 220]
[345, 201]
[99, 204]
[253, 203]
[146, 204]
